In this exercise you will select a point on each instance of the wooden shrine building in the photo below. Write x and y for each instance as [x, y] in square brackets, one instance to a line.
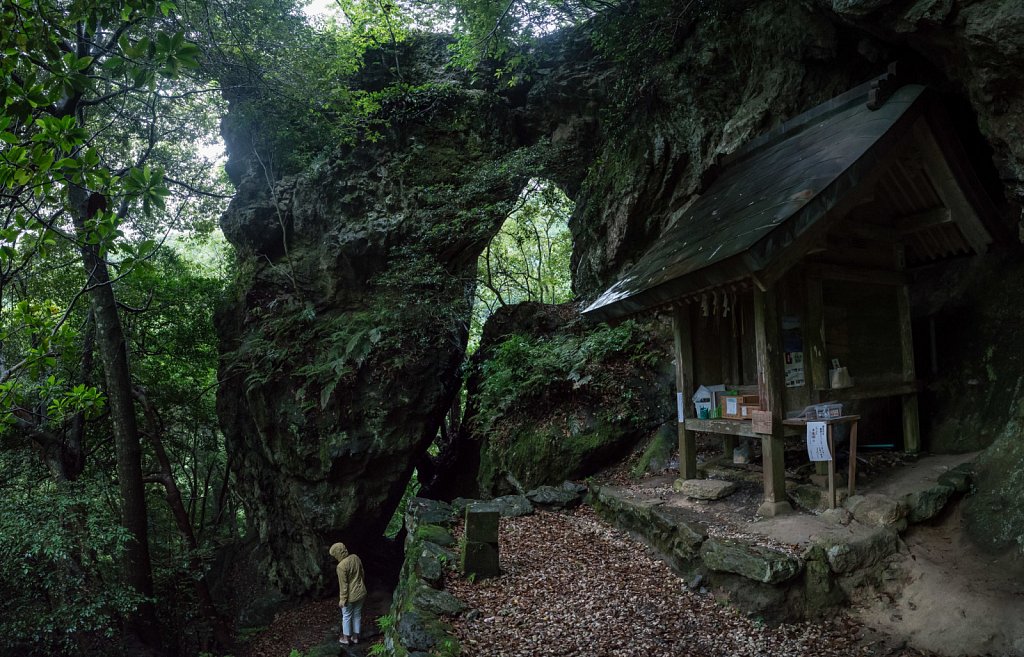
[796, 256]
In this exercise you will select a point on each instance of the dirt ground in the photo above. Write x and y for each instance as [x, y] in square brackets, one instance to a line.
[955, 600]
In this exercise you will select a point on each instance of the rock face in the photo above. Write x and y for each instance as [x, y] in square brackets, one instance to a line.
[344, 331]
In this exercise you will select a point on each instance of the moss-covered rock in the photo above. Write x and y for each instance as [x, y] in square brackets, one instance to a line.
[995, 512]
[553, 398]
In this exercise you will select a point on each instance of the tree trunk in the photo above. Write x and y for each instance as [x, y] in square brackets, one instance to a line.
[113, 353]
[221, 633]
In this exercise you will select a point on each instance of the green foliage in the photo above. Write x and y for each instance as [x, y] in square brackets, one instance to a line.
[60, 550]
[412, 488]
[386, 623]
[501, 31]
[291, 79]
[528, 259]
[522, 368]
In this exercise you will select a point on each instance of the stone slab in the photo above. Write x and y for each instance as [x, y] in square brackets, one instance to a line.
[705, 489]
[756, 562]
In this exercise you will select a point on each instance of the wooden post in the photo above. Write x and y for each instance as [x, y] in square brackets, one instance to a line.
[684, 385]
[814, 340]
[911, 423]
[851, 485]
[816, 363]
[770, 383]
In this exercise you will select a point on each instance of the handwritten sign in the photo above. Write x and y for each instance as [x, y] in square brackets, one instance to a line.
[817, 441]
[679, 406]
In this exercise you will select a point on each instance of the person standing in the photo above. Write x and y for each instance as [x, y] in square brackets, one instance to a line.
[351, 593]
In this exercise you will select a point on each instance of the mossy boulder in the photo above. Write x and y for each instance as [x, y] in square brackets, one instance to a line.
[552, 397]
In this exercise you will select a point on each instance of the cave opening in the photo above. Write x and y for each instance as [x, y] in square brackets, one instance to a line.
[527, 260]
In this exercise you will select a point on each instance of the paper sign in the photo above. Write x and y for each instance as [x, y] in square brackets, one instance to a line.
[732, 406]
[817, 441]
[679, 406]
[794, 369]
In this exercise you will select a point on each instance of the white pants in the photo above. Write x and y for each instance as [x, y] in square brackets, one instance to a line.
[352, 618]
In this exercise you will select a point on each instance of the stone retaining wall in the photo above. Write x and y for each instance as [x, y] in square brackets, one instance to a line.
[771, 582]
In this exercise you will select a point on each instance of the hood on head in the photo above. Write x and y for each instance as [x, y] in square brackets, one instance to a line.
[338, 551]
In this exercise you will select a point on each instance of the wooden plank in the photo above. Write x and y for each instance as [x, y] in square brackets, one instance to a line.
[771, 382]
[870, 391]
[683, 337]
[911, 422]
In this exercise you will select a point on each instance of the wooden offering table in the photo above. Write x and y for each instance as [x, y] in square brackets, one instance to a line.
[829, 423]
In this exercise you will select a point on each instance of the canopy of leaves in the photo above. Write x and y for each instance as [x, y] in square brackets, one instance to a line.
[528, 259]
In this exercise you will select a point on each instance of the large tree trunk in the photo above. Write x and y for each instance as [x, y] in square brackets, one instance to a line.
[113, 353]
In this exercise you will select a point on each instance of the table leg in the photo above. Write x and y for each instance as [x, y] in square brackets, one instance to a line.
[853, 457]
[831, 470]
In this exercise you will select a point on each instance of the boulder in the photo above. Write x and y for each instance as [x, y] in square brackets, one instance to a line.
[554, 498]
[421, 631]
[431, 512]
[926, 504]
[509, 506]
[877, 510]
[437, 602]
[846, 554]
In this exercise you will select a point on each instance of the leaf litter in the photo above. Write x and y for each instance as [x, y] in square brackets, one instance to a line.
[574, 586]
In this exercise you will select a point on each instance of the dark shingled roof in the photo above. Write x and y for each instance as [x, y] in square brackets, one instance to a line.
[768, 194]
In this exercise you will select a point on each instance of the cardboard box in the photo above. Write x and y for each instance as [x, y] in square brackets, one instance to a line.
[747, 411]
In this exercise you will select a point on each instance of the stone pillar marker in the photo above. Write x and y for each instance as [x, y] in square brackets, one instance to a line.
[480, 548]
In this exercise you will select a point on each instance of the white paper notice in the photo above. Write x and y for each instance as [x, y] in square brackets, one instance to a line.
[732, 406]
[679, 406]
[817, 441]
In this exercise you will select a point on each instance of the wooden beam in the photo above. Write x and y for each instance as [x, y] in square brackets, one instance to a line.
[925, 220]
[683, 334]
[771, 382]
[948, 188]
[857, 274]
[870, 391]
[728, 427]
[911, 421]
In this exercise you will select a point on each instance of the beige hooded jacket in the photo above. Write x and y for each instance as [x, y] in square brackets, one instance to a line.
[351, 587]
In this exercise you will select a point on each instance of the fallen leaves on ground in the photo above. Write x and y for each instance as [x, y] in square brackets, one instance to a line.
[300, 628]
[573, 586]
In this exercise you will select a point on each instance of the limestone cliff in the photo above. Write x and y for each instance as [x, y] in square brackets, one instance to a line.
[345, 331]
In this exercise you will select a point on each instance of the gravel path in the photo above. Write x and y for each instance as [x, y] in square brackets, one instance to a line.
[573, 586]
